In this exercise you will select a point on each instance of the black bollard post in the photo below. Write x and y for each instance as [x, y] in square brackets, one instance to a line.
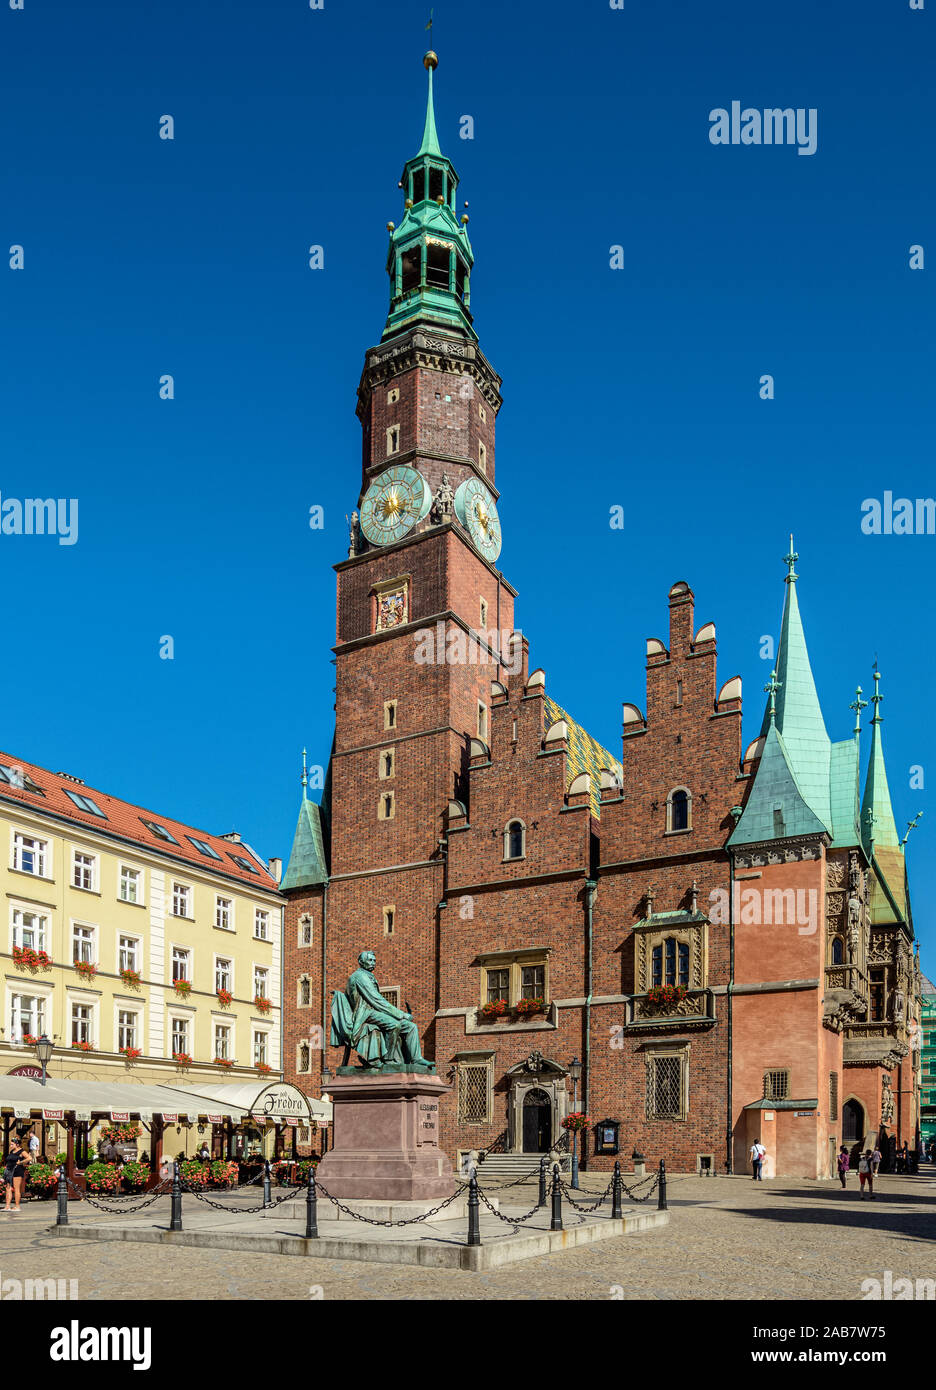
[311, 1206]
[616, 1192]
[542, 1186]
[61, 1218]
[474, 1210]
[267, 1195]
[661, 1204]
[175, 1215]
[555, 1221]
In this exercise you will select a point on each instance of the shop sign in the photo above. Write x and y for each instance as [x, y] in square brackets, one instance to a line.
[215, 1119]
[170, 1119]
[280, 1100]
[21, 1112]
[120, 1116]
[83, 1115]
[293, 1124]
[53, 1114]
[34, 1072]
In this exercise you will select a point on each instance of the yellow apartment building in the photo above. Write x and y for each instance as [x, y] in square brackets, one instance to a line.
[145, 949]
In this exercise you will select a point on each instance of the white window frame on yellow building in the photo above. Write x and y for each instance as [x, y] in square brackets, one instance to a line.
[265, 913]
[175, 1013]
[229, 1026]
[123, 866]
[94, 874]
[258, 1031]
[172, 947]
[257, 993]
[129, 1006]
[190, 900]
[230, 911]
[46, 857]
[32, 989]
[85, 1000]
[137, 940]
[231, 964]
[95, 943]
[21, 906]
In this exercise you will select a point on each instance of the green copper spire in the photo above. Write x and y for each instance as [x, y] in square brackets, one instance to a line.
[429, 259]
[430, 140]
[798, 715]
[877, 815]
[307, 859]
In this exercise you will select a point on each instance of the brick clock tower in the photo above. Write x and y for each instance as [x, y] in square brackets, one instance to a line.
[423, 616]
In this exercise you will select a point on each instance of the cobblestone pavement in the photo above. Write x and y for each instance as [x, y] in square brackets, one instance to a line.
[727, 1238]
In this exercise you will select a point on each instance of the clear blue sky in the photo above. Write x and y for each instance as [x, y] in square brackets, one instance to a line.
[637, 386]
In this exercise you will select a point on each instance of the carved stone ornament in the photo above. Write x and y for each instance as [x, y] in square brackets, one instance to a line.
[834, 903]
[443, 502]
[887, 1100]
[835, 873]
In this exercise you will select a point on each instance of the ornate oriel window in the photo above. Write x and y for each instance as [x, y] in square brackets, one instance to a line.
[671, 948]
[669, 962]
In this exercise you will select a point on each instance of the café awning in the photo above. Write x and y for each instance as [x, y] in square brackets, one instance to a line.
[277, 1100]
[25, 1098]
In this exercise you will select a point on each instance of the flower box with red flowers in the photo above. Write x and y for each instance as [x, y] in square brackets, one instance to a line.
[493, 1009]
[182, 1059]
[121, 1134]
[86, 969]
[524, 1007]
[262, 1004]
[102, 1177]
[225, 997]
[135, 1175]
[30, 1039]
[224, 1061]
[131, 1053]
[43, 1177]
[666, 994]
[131, 978]
[194, 1173]
[263, 1068]
[576, 1120]
[26, 957]
[183, 987]
[83, 1046]
[223, 1172]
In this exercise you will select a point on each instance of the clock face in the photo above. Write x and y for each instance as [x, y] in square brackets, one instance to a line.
[475, 509]
[396, 499]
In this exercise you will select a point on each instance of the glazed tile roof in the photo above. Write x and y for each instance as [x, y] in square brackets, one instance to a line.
[125, 821]
[586, 754]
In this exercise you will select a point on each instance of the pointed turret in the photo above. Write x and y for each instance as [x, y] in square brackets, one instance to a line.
[798, 713]
[878, 828]
[776, 808]
[430, 259]
[307, 865]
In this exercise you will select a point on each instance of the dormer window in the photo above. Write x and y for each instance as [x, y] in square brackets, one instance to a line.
[678, 810]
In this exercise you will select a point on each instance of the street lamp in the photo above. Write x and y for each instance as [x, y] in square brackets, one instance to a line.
[575, 1071]
[44, 1050]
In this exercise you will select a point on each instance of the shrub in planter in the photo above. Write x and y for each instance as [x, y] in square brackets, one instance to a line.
[102, 1177]
[523, 1007]
[61, 1160]
[117, 1134]
[195, 1173]
[223, 1172]
[43, 1177]
[666, 994]
[135, 1175]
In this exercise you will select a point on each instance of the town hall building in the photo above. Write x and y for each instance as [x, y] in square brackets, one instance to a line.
[694, 943]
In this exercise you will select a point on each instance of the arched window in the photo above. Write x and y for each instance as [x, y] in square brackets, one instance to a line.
[304, 1056]
[679, 809]
[515, 840]
[838, 950]
[305, 991]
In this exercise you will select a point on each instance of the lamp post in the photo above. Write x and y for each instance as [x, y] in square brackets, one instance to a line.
[575, 1071]
[44, 1050]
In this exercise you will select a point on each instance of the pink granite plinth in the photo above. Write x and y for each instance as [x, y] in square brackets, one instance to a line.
[386, 1139]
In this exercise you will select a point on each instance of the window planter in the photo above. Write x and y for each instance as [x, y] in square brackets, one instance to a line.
[491, 1012]
[30, 1039]
[666, 994]
[525, 1007]
[225, 998]
[131, 1053]
[28, 959]
[182, 987]
[262, 1004]
[224, 1061]
[131, 978]
[83, 1046]
[263, 1068]
[182, 1059]
[86, 969]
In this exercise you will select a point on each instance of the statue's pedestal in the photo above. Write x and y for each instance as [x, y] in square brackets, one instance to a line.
[386, 1139]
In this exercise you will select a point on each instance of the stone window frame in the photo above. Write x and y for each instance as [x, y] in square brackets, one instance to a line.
[464, 1063]
[770, 1084]
[482, 413]
[483, 721]
[393, 395]
[389, 917]
[304, 979]
[649, 934]
[300, 1069]
[482, 614]
[393, 990]
[382, 756]
[515, 858]
[687, 828]
[306, 927]
[393, 440]
[482, 456]
[652, 1054]
[386, 806]
[390, 714]
[513, 962]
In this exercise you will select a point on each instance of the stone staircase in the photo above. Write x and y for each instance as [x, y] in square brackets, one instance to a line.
[512, 1166]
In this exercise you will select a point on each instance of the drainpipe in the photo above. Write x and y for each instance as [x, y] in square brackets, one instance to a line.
[591, 888]
[729, 1000]
[324, 969]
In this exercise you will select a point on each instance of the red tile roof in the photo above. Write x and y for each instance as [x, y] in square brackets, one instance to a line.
[124, 821]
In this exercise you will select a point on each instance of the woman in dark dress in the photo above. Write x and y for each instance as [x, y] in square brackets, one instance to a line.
[14, 1174]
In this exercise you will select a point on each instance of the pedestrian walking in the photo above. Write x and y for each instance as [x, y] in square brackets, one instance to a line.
[865, 1175]
[758, 1154]
[33, 1145]
[875, 1161]
[843, 1164]
[14, 1174]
